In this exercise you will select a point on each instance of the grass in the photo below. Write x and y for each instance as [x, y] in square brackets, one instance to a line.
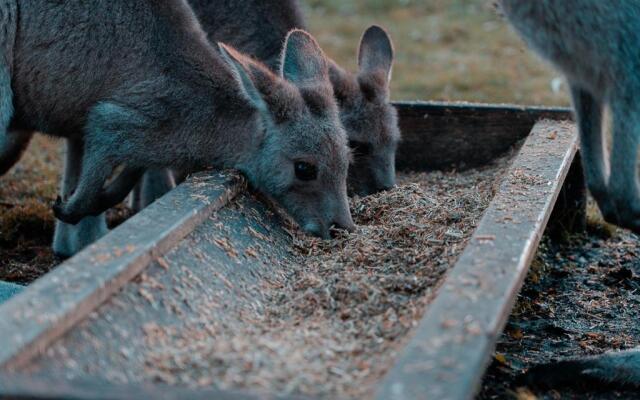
[450, 50]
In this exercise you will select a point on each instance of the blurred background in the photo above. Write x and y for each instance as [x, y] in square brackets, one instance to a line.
[448, 50]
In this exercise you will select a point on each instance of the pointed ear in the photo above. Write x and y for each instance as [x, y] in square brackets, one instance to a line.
[303, 61]
[239, 66]
[376, 52]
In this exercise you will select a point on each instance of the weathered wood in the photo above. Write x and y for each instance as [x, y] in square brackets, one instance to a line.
[44, 311]
[37, 388]
[448, 354]
[440, 136]
[455, 339]
[214, 275]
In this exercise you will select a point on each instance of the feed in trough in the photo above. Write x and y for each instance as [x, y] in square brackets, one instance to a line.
[287, 313]
[333, 318]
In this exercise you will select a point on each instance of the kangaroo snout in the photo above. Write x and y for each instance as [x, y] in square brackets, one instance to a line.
[324, 223]
[386, 180]
[325, 231]
[342, 218]
[371, 176]
[346, 224]
[314, 228]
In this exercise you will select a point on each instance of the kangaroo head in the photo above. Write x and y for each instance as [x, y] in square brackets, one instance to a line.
[303, 157]
[370, 120]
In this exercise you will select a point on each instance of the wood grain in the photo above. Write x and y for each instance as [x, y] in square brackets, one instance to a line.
[456, 337]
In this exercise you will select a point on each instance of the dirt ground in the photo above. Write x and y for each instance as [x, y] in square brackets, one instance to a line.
[27, 192]
[26, 219]
[581, 298]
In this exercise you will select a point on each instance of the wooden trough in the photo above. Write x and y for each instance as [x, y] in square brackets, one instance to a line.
[96, 294]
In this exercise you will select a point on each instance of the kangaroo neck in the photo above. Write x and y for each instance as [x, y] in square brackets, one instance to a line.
[229, 137]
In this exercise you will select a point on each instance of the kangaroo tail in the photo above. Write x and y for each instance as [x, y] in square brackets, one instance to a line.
[616, 370]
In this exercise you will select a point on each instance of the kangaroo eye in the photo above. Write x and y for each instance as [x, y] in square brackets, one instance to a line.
[306, 171]
[360, 148]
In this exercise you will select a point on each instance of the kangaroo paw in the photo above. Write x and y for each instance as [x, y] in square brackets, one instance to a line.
[62, 212]
[622, 216]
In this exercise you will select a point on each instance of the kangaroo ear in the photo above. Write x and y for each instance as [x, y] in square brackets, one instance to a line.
[376, 52]
[239, 66]
[303, 61]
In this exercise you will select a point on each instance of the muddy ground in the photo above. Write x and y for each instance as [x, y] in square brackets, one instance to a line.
[581, 298]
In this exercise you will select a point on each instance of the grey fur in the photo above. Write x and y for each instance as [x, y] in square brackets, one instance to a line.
[258, 27]
[611, 370]
[69, 239]
[154, 184]
[11, 145]
[367, 114]
[137, 85]
[596, 44]
[255, 27]
[8, 22]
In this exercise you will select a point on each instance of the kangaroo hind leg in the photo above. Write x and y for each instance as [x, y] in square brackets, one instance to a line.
[105, 148]
[154, 184]
[623, 180]
[70, 239]
[589, 118]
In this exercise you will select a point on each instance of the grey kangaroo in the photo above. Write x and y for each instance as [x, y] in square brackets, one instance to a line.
[611, 370]
[596, 44]
[258, 28]
[137, 85]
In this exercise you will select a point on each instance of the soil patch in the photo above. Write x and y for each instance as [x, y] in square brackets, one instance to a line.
[581, 298]
[27, 192]
[26, 220]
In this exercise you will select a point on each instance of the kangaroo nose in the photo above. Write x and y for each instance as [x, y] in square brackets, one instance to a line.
[348, 226]
[316, 229]
[386, 183]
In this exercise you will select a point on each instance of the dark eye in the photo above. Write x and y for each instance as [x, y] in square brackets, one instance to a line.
[360, 148]
[306, 171]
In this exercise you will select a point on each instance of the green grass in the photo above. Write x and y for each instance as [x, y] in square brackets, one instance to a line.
[451, 50]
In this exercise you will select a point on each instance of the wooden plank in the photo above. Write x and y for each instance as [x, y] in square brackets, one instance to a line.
[38, 388]
[214, 277]
[440, 136]
[456, 337]
[44, 311]
[434, 128]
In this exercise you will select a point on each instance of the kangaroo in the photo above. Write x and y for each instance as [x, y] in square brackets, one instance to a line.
[596, 44]
[617, 370]
[137, 86]
[258, 28]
